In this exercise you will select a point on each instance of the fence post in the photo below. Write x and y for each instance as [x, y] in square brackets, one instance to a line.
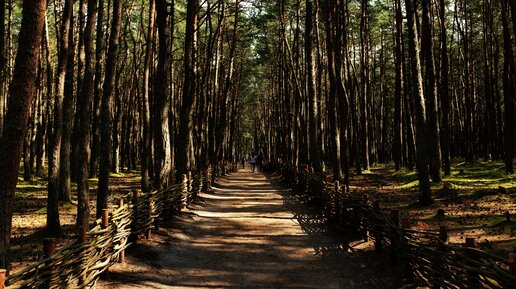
[443, 234]
[105, 225]
[363, 218]
[148, 231]
[2, 278]
[184, 191]
[49, 248]
[190, 185]
[473, 278]
[512, 263]
[334, 203]
[376, 230]
[134, 235]
[121, 256]
[206, 180]
[443, 239]
[83, 238]
[395, 218]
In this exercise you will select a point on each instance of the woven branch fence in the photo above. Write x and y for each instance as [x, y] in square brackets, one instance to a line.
[80, 263]
[423, 256]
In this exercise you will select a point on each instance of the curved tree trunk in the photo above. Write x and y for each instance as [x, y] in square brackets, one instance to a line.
[162, 151]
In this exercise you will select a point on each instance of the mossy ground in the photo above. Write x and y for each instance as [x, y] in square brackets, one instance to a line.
[474, 197]
[30, 208]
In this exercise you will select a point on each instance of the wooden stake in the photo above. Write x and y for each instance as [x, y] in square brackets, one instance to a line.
[512, 263]
[49, 247]
[2, 278]
[105, 224]
[134, 236]
[472, 276]
[105, 218]
[121, 256]
[443, 234]
[83, 238]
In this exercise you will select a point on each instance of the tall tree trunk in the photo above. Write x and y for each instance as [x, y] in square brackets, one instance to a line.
[3, 63]
[419, 103]
[54, 150]
[84, 114]
[343, 91]
[430, 91]
[365, 84]
[18, 111]
[445, 98]
[185, 116]
[80, 81]
[398, 86]
[106, 124]
[162, 151]
[99, 55]
[315, 151]
[508, 90]
[68, 104]
[335, 151]
[146, 134]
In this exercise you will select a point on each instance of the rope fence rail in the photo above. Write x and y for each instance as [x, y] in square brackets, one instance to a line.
[81, 262]
[423, 256]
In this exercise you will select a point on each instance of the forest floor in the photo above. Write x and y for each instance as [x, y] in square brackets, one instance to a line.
[474, 198]
[248, 232]
[29, 217]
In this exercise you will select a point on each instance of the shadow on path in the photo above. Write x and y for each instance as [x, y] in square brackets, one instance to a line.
[245, 233]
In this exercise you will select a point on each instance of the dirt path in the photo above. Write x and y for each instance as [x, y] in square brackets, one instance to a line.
[243, 234]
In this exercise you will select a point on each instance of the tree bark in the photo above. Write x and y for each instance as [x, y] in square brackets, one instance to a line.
[185, 116]
[99, 55]
[146, 134]
[419, 102]
[430, 91]
[315, 151]
[84, 115]
[3, 63]
[18, 111]
[445, 97]
[162, 151]
[508, 89]
[106, 124]
[68, 105]
[398, 86]
[365, 84]
[54, 150]
[335, 151]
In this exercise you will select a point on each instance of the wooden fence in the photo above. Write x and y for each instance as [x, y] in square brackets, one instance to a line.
[80, 263]
[423, 256]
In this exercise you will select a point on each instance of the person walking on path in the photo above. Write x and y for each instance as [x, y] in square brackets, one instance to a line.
[253, 163]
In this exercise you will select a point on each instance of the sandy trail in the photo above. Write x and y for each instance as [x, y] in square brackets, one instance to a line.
[245, 233]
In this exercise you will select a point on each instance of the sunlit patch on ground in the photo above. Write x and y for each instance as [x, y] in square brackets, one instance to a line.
[246, 232]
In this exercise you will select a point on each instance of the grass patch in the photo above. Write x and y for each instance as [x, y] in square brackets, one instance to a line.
[116, 175]
[487, 175]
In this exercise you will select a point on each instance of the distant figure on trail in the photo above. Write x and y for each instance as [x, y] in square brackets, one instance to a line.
[259, 161]
[242, 160]
[253, 163]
